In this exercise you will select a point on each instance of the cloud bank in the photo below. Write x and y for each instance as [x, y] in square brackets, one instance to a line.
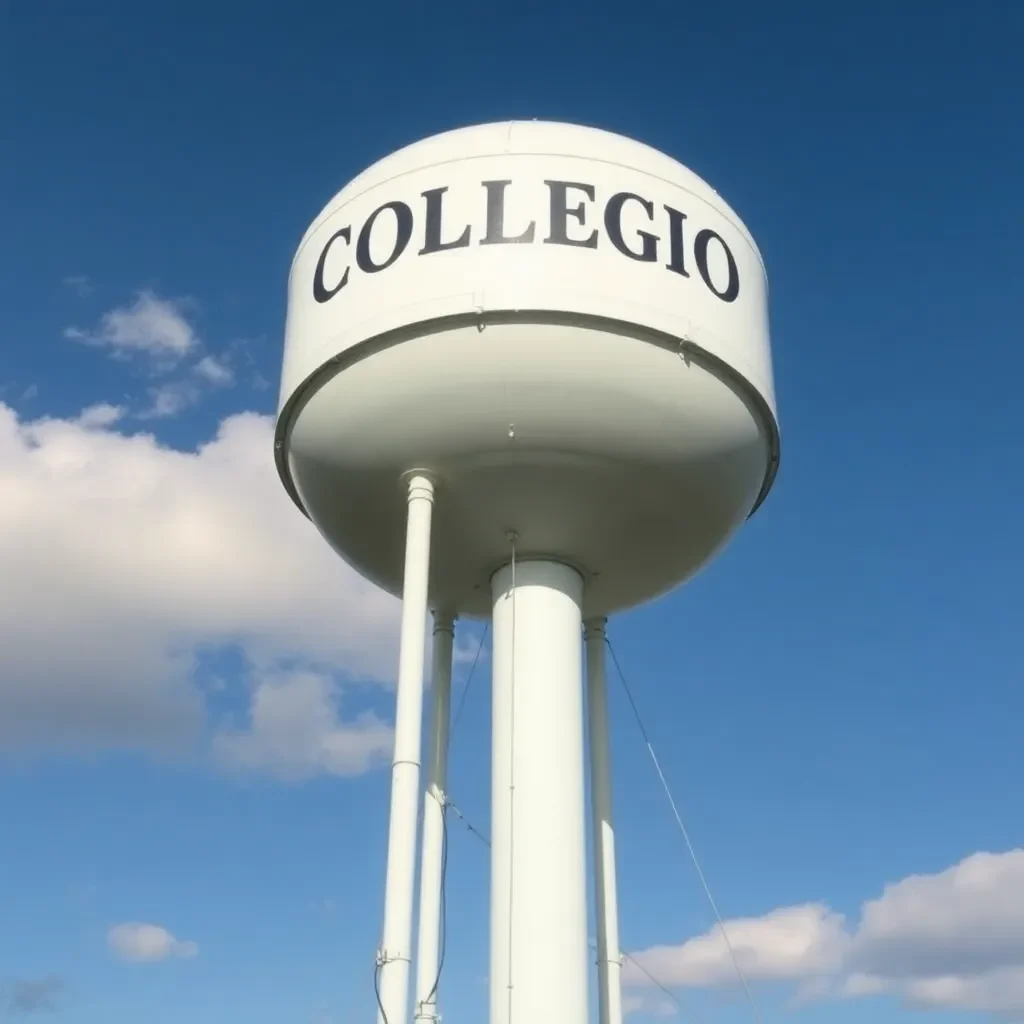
[124, 560]
[947, 941]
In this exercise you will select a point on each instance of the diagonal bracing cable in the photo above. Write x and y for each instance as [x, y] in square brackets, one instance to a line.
[469, 679]
[446, 805]
[685, 834]
[473, 830]
[654, 981]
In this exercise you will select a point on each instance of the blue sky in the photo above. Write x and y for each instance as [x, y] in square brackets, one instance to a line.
[836, 700]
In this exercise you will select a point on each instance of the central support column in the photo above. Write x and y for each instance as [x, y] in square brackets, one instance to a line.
[538, 972]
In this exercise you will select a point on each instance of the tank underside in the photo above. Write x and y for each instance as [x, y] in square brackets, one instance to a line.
[597, 446]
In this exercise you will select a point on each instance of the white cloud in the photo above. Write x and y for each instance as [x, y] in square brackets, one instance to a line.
[150, 325]
[33, 995]
[645, 1003]
[122, 559]
[953, 940]
[101, 415]
[170, 399]
[999, 992]
[792, 943]
[295, 731]
[159, 332]
[921, 922]
[147, 943]
[215, 371]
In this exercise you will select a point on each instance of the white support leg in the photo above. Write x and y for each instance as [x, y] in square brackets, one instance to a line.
[609, 962]
[428, 964]
[538, 972]
[394, 955]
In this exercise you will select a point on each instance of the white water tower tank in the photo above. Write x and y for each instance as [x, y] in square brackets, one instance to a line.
[567, 328]
[527, 375]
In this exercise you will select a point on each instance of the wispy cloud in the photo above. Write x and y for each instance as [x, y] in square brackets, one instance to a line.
[147, 943]
[150, 326]
[157, 335]
[99, 416]
[216, 371]
[295, 731]
[652, 1005]
[170, 399]
[79, 284]
[35, 995]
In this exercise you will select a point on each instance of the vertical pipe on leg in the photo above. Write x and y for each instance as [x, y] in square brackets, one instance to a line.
[539, 951]
[394, 956]
[435, 839]
[609, 962]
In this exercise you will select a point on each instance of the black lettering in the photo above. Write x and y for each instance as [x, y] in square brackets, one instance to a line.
[432, 237]
[560, 214]
[320, 291]
[496, 217]
[403, 218]
[642, 246]
[613, 225]
[676, 257]
[700, 252]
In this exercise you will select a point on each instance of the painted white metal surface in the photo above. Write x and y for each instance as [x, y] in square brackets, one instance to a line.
[538, 967]
[432, 860]
[569, 329]
[395, 953]
[606, 904]
[473, 270]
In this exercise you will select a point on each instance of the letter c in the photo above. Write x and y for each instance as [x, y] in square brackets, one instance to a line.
[321, 293]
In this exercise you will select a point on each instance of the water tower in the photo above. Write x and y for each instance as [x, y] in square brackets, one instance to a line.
[527, 376]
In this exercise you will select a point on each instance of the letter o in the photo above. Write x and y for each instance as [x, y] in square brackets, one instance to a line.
[403, 218]
[700, 252]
